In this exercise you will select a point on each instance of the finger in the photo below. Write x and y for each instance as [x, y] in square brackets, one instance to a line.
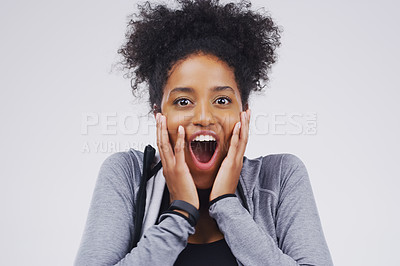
[165, 146]
[247, 131]
[246, 121]
[158, 125]
[234, 140]
[158, 132]
[244, 133]
[180, 146]
[159, 142]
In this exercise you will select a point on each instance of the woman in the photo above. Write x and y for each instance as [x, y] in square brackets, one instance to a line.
[208, 205]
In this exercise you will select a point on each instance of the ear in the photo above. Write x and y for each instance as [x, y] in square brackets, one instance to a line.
[155, 110]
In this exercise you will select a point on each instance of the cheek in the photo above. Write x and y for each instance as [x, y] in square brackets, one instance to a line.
[173, 122]
[177, 118]
[227, 127]
[229, 123]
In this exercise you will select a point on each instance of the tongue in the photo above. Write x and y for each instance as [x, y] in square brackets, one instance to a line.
[203, 150]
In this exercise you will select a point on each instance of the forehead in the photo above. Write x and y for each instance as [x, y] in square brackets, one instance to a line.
[201, 73]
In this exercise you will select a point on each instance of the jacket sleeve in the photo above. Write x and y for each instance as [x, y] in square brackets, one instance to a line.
[297, 223]
[109, 226]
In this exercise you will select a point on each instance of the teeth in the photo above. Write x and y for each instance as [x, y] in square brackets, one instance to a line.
[204, 138]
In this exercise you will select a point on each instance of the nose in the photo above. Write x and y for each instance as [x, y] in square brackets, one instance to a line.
[203, 115]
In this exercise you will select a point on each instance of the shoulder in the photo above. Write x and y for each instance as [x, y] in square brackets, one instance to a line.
[124, 159]
[283, 161]
[274, 171]
[124, 166]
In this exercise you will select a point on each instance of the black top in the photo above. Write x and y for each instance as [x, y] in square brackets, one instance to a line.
[215, 253]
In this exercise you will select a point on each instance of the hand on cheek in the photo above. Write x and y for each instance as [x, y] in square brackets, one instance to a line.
[176, 172]
[228, 175]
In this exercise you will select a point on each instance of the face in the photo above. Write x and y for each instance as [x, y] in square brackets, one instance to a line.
[201, 95]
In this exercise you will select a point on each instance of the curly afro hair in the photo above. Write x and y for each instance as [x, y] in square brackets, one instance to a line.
[161, 36]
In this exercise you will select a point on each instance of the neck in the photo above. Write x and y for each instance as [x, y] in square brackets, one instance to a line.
[207, 230]
[204, 197]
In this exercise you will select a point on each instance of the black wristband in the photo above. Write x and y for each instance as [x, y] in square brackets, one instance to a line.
[193, 212]
[220, 198]
[191, 222]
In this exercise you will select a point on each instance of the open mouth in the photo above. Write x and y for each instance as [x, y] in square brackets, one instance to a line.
[204, 149]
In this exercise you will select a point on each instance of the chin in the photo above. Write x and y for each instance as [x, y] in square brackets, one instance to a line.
[204, 179]
[204, 157]
[203, 185]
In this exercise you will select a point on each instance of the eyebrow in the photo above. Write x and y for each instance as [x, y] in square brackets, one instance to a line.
[190, 90]
[223, 88]
[181, 89]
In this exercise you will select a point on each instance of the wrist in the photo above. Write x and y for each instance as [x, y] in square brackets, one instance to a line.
[183, 213]
[218, 194]
[194, 202]
[220, 198]
[187, 209]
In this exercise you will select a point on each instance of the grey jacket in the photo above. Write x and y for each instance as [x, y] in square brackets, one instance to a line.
[282, 226]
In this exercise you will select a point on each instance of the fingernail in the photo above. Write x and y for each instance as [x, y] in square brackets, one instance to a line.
[180, 129]
[239, 125]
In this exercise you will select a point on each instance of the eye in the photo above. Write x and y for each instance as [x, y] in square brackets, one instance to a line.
[182, 102]
[223, 100]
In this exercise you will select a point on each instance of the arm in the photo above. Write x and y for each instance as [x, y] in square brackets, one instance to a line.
[299, 232]
[109, 227]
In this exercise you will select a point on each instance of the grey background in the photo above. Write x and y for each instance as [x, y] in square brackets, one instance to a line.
[338, 60]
